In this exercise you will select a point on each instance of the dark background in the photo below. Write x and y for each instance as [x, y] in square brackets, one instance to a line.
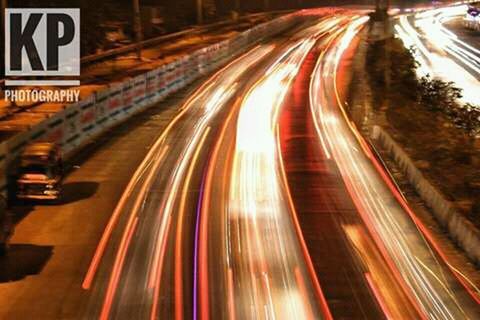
[96, 15]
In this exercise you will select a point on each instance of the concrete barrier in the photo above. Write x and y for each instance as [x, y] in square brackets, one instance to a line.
[472, 22]
[77, 124]
[460, 229]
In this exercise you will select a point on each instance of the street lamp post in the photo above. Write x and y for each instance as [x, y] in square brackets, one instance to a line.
[237, 6]
[266, 5]
[199, 11]
[3, 4]
[137, 27]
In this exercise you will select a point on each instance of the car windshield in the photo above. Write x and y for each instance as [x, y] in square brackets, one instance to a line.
[35, 169]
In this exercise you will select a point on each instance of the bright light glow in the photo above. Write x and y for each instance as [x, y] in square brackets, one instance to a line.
[143, 202]
[258, 211]
[440, 52]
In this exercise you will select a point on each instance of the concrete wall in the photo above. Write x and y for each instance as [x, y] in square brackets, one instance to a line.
[462, 231]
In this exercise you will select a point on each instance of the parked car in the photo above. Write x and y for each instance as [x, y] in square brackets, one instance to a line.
[40, 172]
[6, 226]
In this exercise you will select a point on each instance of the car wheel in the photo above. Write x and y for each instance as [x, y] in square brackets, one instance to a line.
[59, 199]
[3, 249]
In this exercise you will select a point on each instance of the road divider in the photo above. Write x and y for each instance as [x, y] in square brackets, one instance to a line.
[462, 231]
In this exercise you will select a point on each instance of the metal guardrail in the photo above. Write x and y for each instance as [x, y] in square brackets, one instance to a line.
[97, 57]
[154, 41]
[132, 47]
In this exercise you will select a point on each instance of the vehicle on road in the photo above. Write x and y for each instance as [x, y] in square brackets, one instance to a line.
[40, 172]
[6, 226]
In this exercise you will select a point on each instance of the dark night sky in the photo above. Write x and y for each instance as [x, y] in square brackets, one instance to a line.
[177, 13]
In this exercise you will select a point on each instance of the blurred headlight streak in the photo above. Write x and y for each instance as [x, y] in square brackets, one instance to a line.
[435, 290]
[439, 51]
[275, 280]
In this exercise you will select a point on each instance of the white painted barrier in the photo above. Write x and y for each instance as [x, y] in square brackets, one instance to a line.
[88, 117]
[72, 129]
[55, 129]
[115, 102]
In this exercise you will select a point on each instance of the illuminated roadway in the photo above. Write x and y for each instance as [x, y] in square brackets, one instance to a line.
[208, 226]
[151, 260]
[434, 289]
[260, 263]
[439, 51]
[355, 278]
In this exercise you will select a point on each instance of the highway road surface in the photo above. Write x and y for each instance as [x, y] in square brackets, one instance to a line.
[260, 200]
[355, 278]
[208, 226]
[435, 290]
[152, 258]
